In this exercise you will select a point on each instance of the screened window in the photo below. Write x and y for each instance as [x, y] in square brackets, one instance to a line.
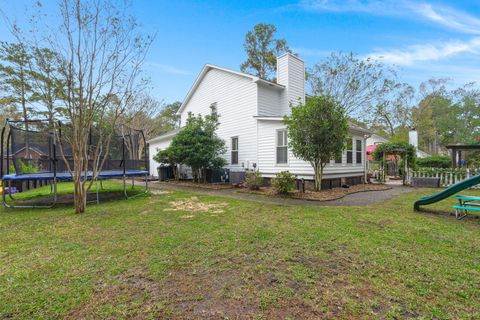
[282, 149]
[234, 150]
[358, 146]
[350, 151]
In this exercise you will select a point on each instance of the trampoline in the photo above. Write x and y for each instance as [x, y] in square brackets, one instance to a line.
[39, 150]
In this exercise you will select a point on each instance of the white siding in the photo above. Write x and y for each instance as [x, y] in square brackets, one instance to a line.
[236, 99]
[269, 101]
[267, 157]
[291, 74]
[153, 148]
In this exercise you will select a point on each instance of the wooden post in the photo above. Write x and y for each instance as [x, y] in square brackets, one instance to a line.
[454, 158]
[384, 165]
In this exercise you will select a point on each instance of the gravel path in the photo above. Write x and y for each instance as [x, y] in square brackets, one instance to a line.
[354, 199]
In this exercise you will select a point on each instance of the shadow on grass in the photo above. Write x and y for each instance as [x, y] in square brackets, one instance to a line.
[43, 196]
[446, 214]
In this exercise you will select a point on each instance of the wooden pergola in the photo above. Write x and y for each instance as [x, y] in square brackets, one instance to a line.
[395, 152]
[456, 151]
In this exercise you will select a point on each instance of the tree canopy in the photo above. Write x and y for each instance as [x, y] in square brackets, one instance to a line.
[356, 83]
[197, 145]
[317, 132]
[262, 49]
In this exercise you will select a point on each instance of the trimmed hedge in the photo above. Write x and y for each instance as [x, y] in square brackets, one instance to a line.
[434, 162]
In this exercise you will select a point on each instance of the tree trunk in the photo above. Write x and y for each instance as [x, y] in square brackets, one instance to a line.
[79, 195]
[318, 169]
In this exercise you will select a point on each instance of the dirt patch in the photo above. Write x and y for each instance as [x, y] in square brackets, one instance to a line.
[193, 204]
[236, 289]
[324, 195]
[131, 295]
[159, 192]
[211, 186]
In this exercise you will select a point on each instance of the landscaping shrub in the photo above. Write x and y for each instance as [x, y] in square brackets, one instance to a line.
[283, 182]
[434, 162]
[253, 180]
[24, 168]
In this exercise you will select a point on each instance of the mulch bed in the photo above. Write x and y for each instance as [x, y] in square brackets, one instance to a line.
[323, 195]
[191, 184]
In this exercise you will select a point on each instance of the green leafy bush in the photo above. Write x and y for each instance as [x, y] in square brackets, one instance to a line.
[253, 180]
[284, 182]
[434, 162]
[24, 168]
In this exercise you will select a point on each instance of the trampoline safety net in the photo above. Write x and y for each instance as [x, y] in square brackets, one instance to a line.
[37, 147]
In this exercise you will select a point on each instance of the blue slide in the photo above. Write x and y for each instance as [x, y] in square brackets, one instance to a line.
[448, 192]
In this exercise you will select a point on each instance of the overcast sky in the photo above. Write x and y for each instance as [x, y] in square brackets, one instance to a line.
[423, 39]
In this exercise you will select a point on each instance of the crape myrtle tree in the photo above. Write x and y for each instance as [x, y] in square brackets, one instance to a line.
[99, 51]
[196, 145]
[355, 83]
[317, 132]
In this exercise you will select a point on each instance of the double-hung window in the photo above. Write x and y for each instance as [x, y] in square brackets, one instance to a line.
[234, 159]
[349, 150]
[282, 149]
[358, 147]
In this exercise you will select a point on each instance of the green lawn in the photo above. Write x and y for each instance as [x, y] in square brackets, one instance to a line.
[133, 258]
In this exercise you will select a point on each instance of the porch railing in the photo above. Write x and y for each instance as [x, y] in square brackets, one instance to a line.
[447, 177]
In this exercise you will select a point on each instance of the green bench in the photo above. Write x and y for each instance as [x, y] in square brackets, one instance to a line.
[465, 204]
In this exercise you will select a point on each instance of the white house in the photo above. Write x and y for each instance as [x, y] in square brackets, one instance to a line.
[375, 139]
[251, 111]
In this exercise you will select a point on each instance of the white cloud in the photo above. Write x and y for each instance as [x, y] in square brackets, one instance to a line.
[373, 6]
[449, 17]
[168, 68]
[441, 15]
[427, 52]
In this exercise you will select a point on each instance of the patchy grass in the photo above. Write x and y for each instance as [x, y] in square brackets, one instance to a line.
[134, 259]
[108, 190]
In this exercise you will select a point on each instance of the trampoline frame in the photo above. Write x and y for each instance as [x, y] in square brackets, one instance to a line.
[53, 177]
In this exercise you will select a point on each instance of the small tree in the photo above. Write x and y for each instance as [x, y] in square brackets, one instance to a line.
[317, 131]
[198, 146]
[168, 157]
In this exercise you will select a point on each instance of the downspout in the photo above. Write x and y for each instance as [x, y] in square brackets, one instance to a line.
[365, 166]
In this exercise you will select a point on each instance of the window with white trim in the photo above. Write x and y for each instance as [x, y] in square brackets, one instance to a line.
[282, 148]
[358, 147]
[349, 150]
[234, 157]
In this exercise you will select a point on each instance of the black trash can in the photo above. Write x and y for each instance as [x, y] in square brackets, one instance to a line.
[165, 173]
